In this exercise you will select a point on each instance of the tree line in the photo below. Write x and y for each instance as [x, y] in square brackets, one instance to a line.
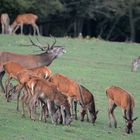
[115, 20]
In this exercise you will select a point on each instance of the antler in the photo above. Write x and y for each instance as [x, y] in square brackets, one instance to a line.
[53, 42]
[39, 46]
[40, 43]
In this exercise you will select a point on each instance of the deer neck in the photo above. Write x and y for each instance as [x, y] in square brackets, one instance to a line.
[130, 109]
[45, 59]
[14, 24]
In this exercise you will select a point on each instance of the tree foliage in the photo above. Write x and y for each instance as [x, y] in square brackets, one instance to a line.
[109, 19]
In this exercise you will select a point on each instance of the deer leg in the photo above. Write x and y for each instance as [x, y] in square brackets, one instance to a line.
[21, 27]
[50, 110]
[111, 112]
[63, 112]
[16, 28]
[87, 115]
[2, 28]
[75, 109]
[71, 105]
[19, 87]
[1, 84]
[23, 102]
[36, 29]
[6, 86]
[32, 106]
[82, 113]
[41, 111]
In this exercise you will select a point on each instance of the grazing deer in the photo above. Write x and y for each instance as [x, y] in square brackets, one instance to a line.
[68, 87]
[22, 75]
[89, 103]
[46, 90]
[5, 21]
[49, 54]
[120, 97]
[28, 19]
[75, 92]
[135, 64]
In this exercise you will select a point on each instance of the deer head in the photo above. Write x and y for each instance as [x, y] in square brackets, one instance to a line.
[129, 124]
[56, 51]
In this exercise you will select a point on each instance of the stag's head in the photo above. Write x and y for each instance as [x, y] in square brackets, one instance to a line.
[53, 49]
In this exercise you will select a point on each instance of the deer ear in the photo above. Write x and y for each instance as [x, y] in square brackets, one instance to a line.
[135, 119]
[125, 118]
[97, 112]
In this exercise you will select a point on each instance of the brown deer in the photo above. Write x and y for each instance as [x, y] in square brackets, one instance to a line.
[89, 103]
[49, 54]
[5, 22]
[28, 19]
[120, 97]
[135, 64]
[46, 90]
[68, 87]
[75, 92]
[15, 70]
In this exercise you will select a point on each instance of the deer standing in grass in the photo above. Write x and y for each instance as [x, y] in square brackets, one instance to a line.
[13, 69]
[5, 22]
[135, 64]
[75, 92]
[28, 19]
[120, 97]
[48, 55]
[45, 90]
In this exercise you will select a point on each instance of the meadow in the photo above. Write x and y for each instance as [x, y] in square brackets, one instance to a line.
[94, 63]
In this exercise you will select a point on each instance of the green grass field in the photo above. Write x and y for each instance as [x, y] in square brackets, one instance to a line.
[95, 64]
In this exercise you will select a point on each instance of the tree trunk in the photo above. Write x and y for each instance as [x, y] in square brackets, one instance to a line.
[112, 28]
[131, 22]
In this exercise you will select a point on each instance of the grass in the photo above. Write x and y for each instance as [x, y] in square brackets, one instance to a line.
[94, 63]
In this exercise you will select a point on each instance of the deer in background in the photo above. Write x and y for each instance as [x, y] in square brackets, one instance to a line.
[135, 64]
[5, 22]
[120, 97]
[28, 19]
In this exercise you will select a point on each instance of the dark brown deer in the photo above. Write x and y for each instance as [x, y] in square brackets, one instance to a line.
[89, 103]
[5, 22]
[49, 54]
[120, 97]
[28, 19]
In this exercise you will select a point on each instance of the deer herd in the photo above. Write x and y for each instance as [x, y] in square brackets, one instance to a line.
[55, 95]
[19, 22]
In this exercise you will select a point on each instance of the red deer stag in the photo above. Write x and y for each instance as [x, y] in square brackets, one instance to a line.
[5, 21]
[28, 19]
[46, 90]
[49, 54]
[135, 64]
[120, 97]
